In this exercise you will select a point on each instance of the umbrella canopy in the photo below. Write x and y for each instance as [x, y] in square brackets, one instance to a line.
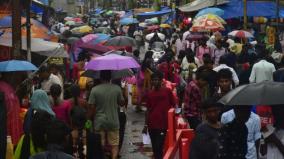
[89, 37]
[97, 48]
[151, 35]
[206, 25]
[112, 62]
[211, 17]
[127, 21]
[153, 27]
[213, 10]
[241, 34]
[114, 74]
[121, 41]
[100, 38]
[104, 30]
[70, 23]
[72, 40]
[165, 26]
[264, 93]
[16, 65]
[195, 36]
[143, 25]
[82, 29]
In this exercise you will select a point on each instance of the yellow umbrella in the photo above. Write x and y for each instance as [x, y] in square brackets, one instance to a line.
[82, 29]
[165, 26]
[211, 17]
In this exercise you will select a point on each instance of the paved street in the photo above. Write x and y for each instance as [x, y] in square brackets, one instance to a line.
[133, 147]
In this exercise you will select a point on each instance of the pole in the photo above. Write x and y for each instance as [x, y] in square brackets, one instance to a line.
[16, 29]
[28, 25]
[277, 15]
[245, 14]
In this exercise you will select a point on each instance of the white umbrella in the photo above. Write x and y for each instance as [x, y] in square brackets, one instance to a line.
[160, 35]
[241, 34]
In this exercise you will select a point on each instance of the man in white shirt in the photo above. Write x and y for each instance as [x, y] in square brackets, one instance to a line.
[253, 126]
[223, 65]
[262, 71]
[48, 79]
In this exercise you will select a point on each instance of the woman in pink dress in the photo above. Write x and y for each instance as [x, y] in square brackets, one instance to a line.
[60, 107]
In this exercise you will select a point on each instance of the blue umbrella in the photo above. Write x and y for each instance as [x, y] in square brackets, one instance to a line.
[16, 65]
[100, 38]
[127, 21]
[216, 11]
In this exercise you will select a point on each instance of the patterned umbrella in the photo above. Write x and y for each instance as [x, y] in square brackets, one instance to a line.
[206, 25]
[241, 34]
[211, 17]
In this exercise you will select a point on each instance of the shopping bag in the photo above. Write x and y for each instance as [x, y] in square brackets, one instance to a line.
[146, 139]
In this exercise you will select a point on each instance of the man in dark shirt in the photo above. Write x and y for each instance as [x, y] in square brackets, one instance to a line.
[159, 101]
[278, 76]
[206, 143]
[233, 138]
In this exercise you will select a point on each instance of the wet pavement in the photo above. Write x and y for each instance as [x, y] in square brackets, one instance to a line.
[133, 147]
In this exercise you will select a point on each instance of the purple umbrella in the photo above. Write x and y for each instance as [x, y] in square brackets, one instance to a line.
[112, 62]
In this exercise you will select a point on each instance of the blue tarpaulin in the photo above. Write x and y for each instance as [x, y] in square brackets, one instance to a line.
[234, 9]
[148, 15]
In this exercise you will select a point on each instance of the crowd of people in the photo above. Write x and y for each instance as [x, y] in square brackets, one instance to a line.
[88, 118]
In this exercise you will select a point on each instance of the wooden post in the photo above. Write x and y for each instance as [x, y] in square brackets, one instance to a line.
[28, 27]
[245, 14]
[16, 30]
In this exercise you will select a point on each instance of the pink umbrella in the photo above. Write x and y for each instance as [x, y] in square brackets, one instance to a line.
[89, 38]
[112, 62]
[241, 34]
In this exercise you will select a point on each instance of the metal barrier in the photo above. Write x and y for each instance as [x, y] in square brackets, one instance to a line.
[178, 137]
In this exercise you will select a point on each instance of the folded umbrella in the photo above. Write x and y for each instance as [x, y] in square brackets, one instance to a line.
[264, 93]
[112, 62]
[16, 65]
[121, 41]
[114, 74]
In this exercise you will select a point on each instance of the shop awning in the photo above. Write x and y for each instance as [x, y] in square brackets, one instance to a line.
[201, 4]
[148, 15]
[234, 9]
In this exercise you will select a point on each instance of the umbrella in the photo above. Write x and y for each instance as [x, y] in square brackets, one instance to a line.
[104, 30]
[213, 10]
[143, 25]
[264, 93]
[100, 38]
[165, 26]
[206, 25]
[82, 29]
[151, 35]
[241, 34]
[152, 21]
[194, 36]
[89, 37]
[127, 21]
[211, 17]
[153, 27]
[114, 74]
[70, 23]
[112, 62]
[121, 41]
[72, 40]
[96, 48]
[16, 65]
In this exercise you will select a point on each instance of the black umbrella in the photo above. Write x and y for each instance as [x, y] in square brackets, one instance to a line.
[115, 74]
[264, 93]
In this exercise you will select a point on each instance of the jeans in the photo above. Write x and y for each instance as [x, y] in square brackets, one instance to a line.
[157, 139]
